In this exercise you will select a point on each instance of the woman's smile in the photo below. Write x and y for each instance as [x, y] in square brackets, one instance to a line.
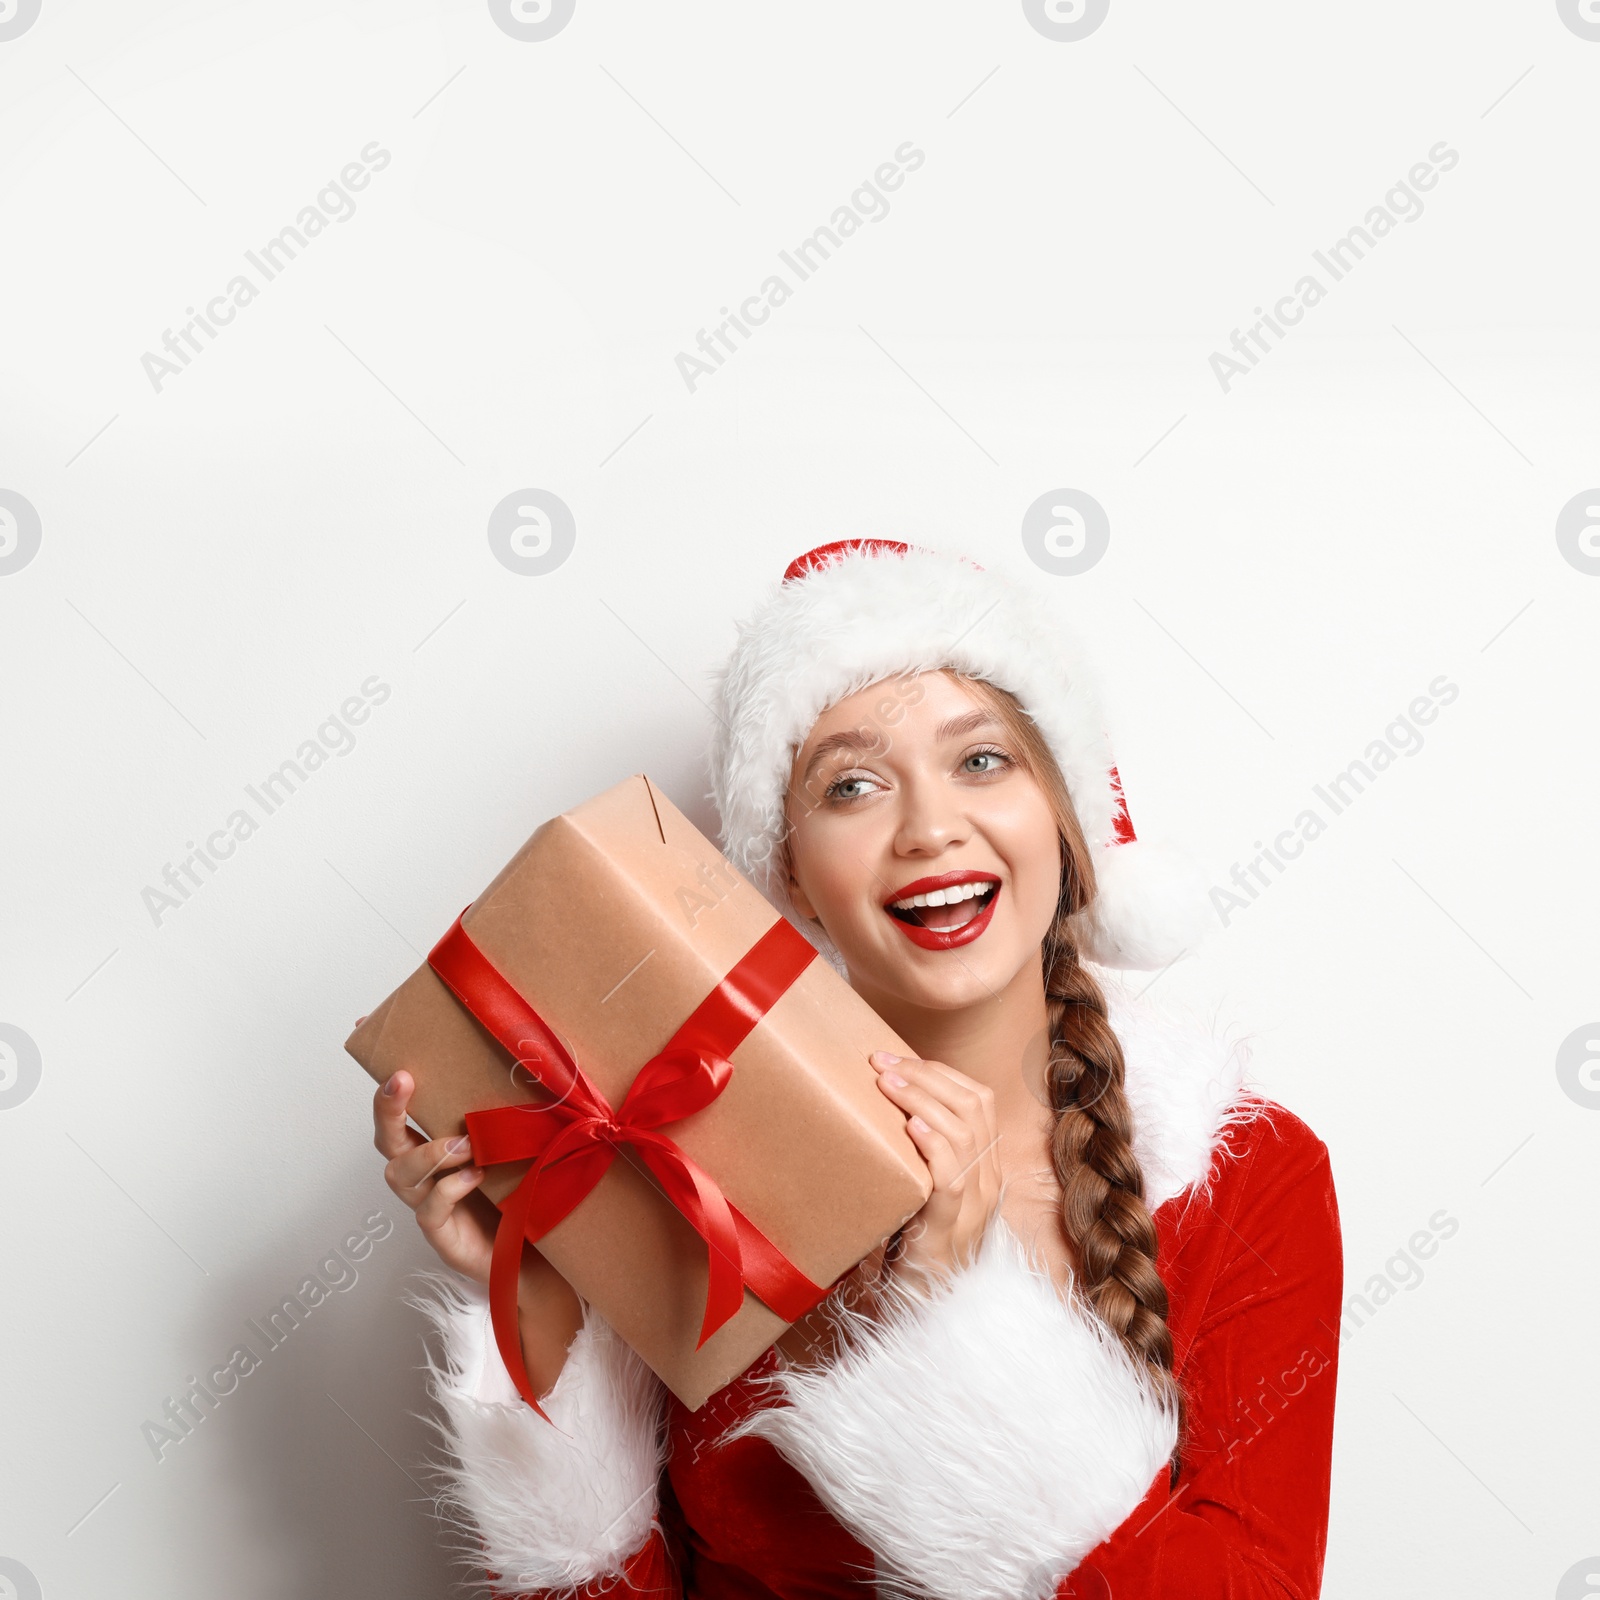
[943, 912]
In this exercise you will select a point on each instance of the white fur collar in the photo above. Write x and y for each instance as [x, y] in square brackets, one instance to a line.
[1187, 1083]
[981, 1442]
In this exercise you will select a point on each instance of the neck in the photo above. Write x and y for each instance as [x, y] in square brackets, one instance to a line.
[1002, 1041]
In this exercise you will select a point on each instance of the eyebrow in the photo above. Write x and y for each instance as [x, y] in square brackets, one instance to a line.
[970, 723]
[864, 742]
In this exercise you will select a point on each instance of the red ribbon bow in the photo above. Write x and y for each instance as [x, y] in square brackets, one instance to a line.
[574, 1138]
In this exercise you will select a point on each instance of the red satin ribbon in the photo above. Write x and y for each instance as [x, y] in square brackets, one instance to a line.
[574, 1137]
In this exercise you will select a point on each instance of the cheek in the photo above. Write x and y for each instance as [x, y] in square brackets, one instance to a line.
[1032, 848]
[815, 863]
[825, 887]
[833, 859]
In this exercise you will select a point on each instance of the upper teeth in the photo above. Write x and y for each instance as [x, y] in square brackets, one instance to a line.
[943, 897]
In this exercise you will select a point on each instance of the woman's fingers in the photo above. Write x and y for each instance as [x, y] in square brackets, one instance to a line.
[957, 1110]
[444, 1196]
[412, 1175]
[965, 1096]
[433, 1177]
[952, 1120]
[963, 1091]
[389, 1131]
[968, 1098]
[944, 1163]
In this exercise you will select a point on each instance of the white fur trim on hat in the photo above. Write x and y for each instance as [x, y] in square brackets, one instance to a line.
[867, 614]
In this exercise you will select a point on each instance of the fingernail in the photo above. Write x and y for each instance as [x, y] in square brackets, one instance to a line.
[894, 1080]
[388, 1083]
[882, 1058]
[458, 1144]
[919, 1124]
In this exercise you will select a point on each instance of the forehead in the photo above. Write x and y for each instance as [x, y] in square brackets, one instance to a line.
[890, 708]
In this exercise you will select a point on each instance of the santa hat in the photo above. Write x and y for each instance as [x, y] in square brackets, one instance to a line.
[851, 613]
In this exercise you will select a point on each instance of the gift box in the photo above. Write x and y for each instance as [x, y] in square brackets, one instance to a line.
[669, 1090]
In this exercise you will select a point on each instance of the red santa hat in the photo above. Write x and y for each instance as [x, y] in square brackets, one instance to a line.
[851, 613]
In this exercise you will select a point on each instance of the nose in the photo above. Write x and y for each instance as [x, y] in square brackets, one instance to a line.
[931, 820]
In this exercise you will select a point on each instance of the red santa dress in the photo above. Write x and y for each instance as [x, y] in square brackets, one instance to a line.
[990, 1442]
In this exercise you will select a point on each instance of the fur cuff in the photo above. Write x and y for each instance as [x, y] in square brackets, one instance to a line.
[981, 1442]
[545, 1507]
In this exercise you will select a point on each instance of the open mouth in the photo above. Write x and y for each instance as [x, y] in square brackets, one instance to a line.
[940, 913]
[944, 908]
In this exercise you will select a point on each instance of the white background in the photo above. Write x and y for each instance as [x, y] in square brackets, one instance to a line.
[224, 561]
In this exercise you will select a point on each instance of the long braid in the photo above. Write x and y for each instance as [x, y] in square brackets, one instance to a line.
[1102, 1185]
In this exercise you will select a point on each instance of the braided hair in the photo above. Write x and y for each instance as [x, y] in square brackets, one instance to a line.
[1103, 1207]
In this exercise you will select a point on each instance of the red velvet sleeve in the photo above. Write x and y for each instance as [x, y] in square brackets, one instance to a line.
[1249, 1518]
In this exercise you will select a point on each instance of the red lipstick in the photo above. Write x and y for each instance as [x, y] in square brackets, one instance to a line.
[945, 938]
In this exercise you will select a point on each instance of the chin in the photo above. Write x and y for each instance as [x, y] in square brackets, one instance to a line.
[948, 980]
[962, 987]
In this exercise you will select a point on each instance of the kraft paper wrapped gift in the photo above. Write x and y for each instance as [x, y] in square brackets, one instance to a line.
[616, 923]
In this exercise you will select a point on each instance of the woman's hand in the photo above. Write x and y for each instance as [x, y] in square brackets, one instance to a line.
[436, 1179]
[951, 1119]
[433, 1177]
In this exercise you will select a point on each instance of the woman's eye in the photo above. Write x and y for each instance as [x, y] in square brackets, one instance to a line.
[981, 761]
[847, 788]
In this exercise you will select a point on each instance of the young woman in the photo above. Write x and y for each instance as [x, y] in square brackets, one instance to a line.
[1101, 1361]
